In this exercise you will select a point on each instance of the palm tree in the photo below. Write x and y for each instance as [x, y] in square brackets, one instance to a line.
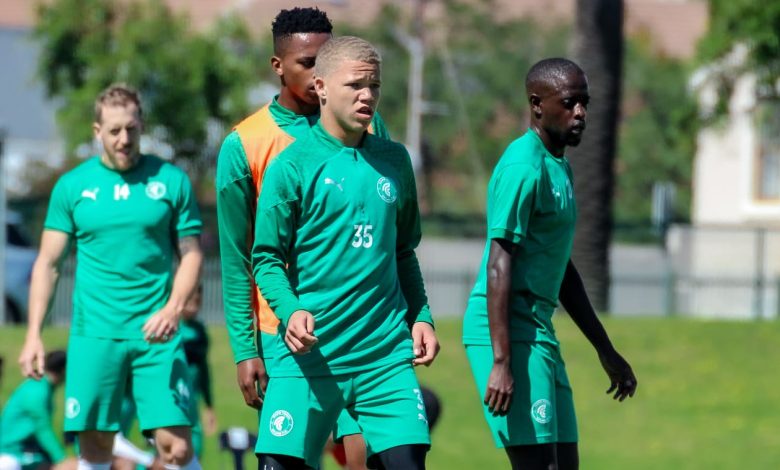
[599, 51]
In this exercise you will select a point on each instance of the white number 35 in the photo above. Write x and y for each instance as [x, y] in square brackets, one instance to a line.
[363, 237]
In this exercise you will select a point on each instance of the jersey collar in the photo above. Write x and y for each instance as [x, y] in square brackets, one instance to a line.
[283, 116]
[329, 141]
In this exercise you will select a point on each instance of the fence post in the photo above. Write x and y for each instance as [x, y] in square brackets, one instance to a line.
[670, 289]
[758, 286]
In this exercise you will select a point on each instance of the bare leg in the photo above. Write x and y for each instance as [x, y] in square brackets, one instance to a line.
[96, 446]
[174, 444]
[355, 448]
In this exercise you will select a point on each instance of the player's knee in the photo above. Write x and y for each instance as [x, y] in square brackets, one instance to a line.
[179, 452]
[280, 462]
[174, 445]
[405, 457]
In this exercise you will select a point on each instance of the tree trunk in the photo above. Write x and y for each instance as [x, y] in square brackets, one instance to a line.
[599, 51]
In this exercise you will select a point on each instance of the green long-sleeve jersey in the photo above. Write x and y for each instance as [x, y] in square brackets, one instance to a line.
[335, 235]
[26, 420]
[243, 159]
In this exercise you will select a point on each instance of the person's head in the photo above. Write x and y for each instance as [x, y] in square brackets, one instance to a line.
[298, 34]
[557, 91]
[192, 306]
[347, 80]
[54, 366]
[118, 125]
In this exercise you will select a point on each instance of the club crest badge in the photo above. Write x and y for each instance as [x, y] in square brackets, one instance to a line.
[387, 189]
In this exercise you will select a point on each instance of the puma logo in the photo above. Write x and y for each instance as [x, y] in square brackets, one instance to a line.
[334, 183]
[91, 194]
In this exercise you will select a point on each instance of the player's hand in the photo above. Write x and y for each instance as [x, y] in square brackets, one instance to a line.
[500, 387]
[252, 377]
[209, 421]
[161, 326]
[300, 332]
[32, 357]
[622, 380]
[425, 344]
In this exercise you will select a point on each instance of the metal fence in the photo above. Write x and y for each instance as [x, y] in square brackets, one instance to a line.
[703, 272]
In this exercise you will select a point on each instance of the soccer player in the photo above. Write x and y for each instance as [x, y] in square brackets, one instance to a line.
[128, 214]
[246, 152]
[27, 438]
[526, 269]
[337, 226]
[195, 340]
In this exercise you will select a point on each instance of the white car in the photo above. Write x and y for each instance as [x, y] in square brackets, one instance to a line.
[19, 258]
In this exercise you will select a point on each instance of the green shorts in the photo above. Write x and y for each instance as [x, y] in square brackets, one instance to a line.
[345, 426]
[299, 413]
[101, 372]
[542, 408]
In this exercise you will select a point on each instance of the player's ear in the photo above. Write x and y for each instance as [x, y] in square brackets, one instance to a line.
[535, 103]
[96, 129]
[276, 65]
[319, 88]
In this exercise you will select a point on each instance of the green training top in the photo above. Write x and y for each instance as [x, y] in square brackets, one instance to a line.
[531, 204]
[336, 233]
[195, 341]
[126, 227]
[26, 421]
[238, 176]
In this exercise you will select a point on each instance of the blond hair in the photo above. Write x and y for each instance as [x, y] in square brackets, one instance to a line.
[343, 48]
[117, 94]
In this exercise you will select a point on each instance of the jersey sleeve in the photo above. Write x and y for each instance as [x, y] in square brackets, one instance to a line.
[277, 213]
[236, 195]
[59, 216]
[187, 222]
[378, 127]
[407, 239]
[511, 202]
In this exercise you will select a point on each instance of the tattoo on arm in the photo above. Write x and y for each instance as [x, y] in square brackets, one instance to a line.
[188, 244]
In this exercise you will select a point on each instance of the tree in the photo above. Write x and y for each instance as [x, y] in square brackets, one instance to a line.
[599, 50]
[755, 24]
[657, 134]
[188, 81]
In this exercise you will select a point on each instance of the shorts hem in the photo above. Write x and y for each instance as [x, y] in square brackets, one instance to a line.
[164, 424]
[88, 427]
[383, 446]
[537, 441]
[298, 454]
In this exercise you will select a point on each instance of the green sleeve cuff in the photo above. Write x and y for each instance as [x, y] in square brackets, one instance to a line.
[243, 355]
[425, 316]
[503, 234]
[285, 310]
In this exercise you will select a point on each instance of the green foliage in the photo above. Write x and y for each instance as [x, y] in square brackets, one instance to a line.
[187, 79]
[749, 22]
[657, 134]
[755, 23]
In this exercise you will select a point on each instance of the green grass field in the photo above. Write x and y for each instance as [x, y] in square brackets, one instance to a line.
[707, 398]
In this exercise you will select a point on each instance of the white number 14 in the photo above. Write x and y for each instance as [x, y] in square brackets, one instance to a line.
[363, 237]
